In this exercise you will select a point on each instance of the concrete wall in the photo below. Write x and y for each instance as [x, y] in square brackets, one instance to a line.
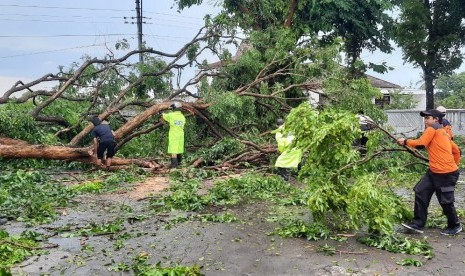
[410, 123]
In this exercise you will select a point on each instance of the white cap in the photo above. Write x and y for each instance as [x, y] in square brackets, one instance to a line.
[441, 109]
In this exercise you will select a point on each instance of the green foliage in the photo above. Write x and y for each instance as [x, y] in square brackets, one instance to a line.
[340, 194]
[439, 52]
[221, 150]
[88, 187]
[176, 220]
[191, 173]
[192, 51]
[436, 218]
[376, 207]
[156, 85]
[450, 90]
[94, 229]
[222, 218]
[409, 262]
[127, 176]
[233, 109]
[31, 196]
[70, 111]
[399, 244]
[360, 24]
[401, 101]
[297, 228]
[353, 96]
[144, 146]
[274, 54]
[41, 164]
[103, 183]
[5, 271]
[15, 249]
[18, 123]
[250, 186]
[226, 217]
[186, 3]
[142, 268]
[326, 250]
[430, 34]
[185, 195]
[357, 22]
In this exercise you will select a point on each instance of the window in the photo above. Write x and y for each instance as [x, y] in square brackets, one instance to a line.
[384, 101]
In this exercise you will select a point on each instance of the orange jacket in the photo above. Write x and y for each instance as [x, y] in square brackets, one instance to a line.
[448, 130]
[443, 153]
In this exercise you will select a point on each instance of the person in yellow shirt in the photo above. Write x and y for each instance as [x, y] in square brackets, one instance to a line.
[441, 176]
[289, 157]
[177, 121]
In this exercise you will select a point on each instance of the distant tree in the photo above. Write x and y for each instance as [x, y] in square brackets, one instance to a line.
[431, 35]
[360, 24]
[451, 90]
[401, 101]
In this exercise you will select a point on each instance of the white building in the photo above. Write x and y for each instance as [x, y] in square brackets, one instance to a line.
[387, 89]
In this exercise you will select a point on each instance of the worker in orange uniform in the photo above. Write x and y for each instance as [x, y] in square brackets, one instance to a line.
[441, 176]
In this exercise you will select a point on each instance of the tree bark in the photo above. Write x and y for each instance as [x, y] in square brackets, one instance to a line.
[11, 148]
[291, 12]
[429, 78]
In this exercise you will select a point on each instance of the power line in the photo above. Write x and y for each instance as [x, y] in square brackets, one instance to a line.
[59, 21]
[85, 35]
[164, 38]
[92, 9]
[60, 35]
[64, 8]
[187, 26]
[56, 16]
[176, 15]
[64, 49]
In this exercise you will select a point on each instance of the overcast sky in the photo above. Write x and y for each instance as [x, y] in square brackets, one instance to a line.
[36, 37]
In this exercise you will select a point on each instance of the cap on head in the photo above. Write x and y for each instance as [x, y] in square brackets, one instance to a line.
[95, 121]
[279, 122]
[432, 112]
[441, 109]
[175, 105]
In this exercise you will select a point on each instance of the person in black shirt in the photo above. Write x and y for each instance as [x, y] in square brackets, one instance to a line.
[104, 140]
[365, 125]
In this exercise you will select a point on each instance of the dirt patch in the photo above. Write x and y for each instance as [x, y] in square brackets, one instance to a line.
[151, 186]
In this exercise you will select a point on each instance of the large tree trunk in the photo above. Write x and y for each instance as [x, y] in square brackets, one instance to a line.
[11, 148]
[429, 78]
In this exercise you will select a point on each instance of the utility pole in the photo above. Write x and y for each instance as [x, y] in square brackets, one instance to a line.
[139, 23]
[139, 27]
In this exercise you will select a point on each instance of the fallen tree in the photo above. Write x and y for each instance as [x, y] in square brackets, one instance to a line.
[110, 87]
[240, 99]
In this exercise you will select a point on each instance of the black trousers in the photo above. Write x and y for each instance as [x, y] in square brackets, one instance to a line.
[441, 184]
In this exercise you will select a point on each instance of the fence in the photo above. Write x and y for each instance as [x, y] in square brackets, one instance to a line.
[410, 123]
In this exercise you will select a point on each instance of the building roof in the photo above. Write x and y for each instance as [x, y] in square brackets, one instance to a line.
[242, 48]
[379, 83]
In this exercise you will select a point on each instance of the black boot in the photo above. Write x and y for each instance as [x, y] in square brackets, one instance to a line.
[179, 157]
[283, 173]
[174, 163]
